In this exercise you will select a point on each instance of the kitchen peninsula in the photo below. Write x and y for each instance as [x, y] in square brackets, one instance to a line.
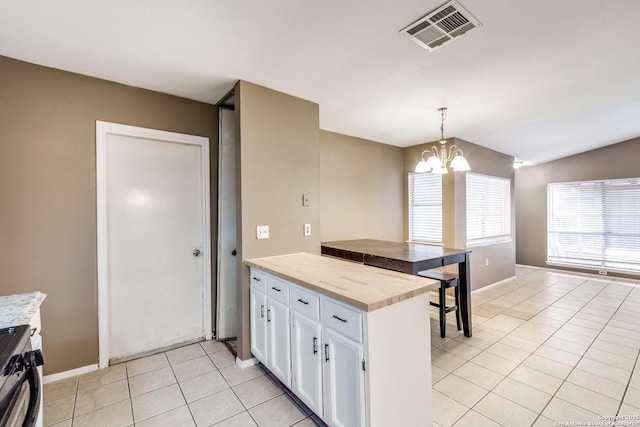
[351, 341]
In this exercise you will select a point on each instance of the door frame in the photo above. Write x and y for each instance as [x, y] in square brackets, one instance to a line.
[103, 129]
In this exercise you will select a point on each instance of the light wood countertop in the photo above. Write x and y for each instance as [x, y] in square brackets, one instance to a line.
[363, 287]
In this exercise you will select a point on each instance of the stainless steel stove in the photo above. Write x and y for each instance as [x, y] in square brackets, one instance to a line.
[20, 385]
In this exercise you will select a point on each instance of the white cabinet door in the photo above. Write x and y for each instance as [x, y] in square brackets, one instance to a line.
[307, 361]
[343, 380]
[279, 341]
[258, 310]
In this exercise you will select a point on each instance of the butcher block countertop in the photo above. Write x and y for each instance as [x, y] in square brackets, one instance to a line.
[363, 287]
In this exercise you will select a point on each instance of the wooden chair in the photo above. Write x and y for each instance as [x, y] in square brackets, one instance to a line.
[447, 280]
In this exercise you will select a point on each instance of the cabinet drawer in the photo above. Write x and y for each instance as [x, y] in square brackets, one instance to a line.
[338, 317]
[278, 289]
[305, 303]
[258, 280]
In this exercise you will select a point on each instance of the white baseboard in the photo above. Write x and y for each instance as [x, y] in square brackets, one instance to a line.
[246, 363]
[491, 285]
[70, 373]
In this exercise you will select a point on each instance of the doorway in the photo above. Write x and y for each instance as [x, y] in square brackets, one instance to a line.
[153, 240]
[227, 282]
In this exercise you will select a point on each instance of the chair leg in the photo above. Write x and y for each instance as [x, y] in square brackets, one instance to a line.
[442, 294]
[457, 302]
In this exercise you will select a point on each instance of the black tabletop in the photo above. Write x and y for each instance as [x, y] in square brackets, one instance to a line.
[409, 252]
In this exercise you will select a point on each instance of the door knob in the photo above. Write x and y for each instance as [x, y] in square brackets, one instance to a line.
[196, 252]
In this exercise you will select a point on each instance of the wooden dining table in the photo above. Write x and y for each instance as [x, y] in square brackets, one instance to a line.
[409, 258]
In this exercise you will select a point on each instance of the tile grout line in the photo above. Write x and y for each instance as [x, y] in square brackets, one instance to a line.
[589, 346]
[126, 372]
[540, 345]
[180, 388]
[516, 367]
[628, 384]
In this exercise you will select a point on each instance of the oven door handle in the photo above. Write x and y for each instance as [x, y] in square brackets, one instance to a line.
[32, 360]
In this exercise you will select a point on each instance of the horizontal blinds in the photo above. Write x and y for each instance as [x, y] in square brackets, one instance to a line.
[594, 224]
[488, 208]
[425, 207]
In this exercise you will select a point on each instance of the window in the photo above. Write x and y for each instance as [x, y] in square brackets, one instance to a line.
[425, 207]
[488, 209]
[594, 224]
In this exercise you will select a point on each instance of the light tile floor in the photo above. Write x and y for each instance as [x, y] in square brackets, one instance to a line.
[547, 347]
[195, 385]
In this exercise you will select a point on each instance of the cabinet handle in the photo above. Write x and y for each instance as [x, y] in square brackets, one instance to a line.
[303, 301]
[276, 289]
[326, 352]
[257, 279]
[262, 310]
[315, 345]
[268, 315]
[340, 319]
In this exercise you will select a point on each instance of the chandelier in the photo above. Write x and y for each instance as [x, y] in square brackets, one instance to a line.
[437, 162]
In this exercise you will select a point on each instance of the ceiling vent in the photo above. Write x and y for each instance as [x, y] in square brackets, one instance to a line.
[442, 25]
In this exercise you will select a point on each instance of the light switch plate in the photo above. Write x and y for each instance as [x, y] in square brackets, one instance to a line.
[306, 199]
[262, 232]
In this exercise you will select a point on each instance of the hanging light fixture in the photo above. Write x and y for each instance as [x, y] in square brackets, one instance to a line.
[437, 162]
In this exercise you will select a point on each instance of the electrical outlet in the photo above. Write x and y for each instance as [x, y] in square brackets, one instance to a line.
[602, 272]
[262, 232]
[307, 229]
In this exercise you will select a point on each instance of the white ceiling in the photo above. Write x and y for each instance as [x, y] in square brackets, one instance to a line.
[539, 80]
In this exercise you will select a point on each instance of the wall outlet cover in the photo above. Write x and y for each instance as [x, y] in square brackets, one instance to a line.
[262, 232]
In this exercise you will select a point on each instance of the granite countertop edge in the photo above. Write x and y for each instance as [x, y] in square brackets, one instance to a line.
[19, 309]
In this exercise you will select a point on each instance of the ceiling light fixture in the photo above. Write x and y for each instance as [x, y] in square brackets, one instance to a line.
[439, 158]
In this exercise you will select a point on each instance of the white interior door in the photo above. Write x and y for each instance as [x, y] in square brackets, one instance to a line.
[153, 240]
[227, 235]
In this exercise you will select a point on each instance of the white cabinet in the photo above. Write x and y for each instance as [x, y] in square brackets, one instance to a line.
[35, 325]
[306, 349]
[269, 313]
[258, 310]
[278, 341]
[352, 368]
[344, 364]
[343, 380]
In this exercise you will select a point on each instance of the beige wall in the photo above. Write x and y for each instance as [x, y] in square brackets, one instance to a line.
[361, 187]
[484, 161]
[279, 161]
[615, 161]
[48, 194]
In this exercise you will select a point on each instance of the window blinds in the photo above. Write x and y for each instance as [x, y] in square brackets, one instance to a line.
[594, 224]
[488, 209]
[425, 207]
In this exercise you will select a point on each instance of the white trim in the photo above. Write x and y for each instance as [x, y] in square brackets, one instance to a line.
[102, 130]
[596, 270]
[68, 374]
[491, 285]
[572, 272]
[246, 363]
[489, 241]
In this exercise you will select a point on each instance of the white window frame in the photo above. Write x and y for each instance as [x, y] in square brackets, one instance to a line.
[425, 204]
[488, 209]
[594, 225]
